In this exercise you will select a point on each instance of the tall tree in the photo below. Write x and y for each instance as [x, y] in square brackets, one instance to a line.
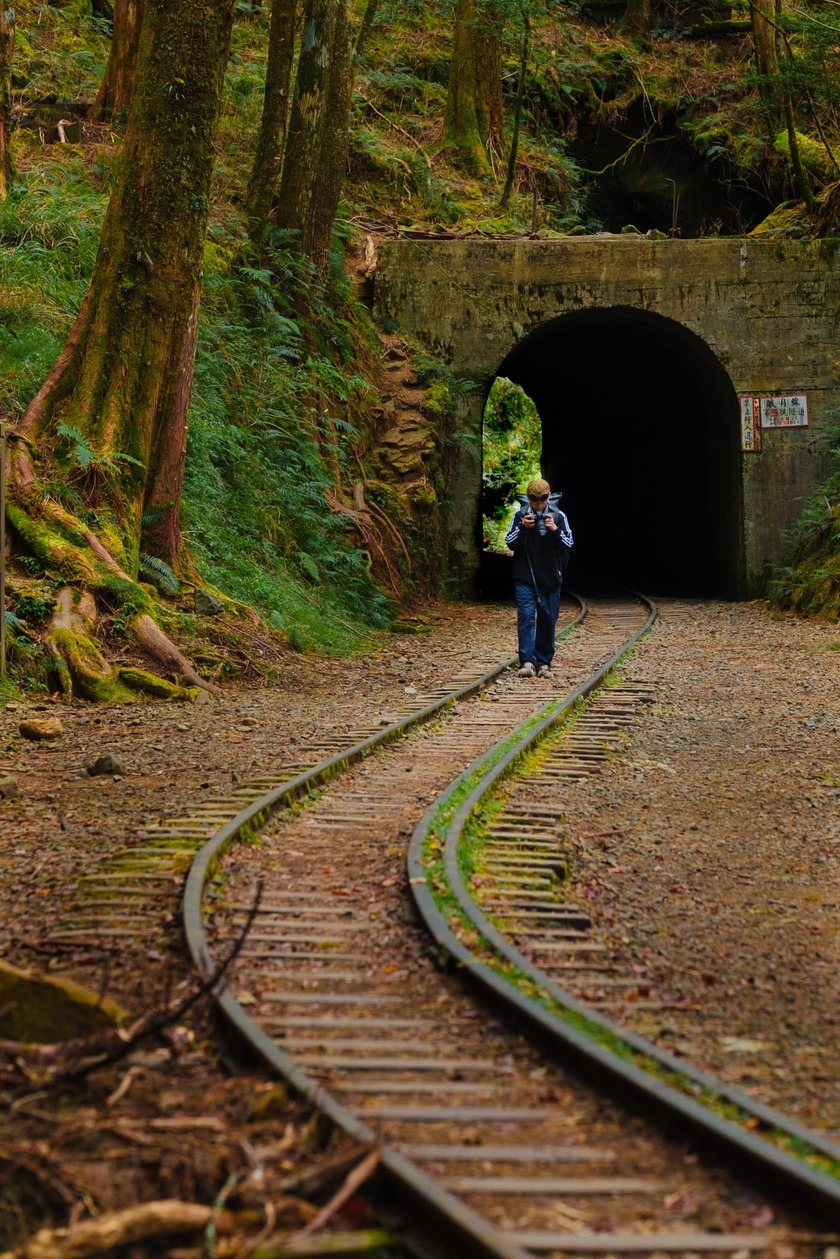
[112, 411]
[517, 111]
[775, 74]
[489, 105]
[265, 177]
[473, 117]
[335, 137]
[766, 54]
[118, 80]
[638, 17]
[7, 28]
[316, 144]
[365, 27]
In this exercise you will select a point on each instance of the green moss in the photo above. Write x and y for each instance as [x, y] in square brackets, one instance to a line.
[812, 152]
[125, 594]
[43, 1010]
[811, 584]
[52, 550]
[150, 684]
[787, 219]
[828, 247]
[89, 673]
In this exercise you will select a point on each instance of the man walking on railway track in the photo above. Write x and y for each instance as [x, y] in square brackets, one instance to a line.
[540, 538]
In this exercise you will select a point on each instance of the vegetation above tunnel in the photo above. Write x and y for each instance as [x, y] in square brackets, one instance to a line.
[306, 493]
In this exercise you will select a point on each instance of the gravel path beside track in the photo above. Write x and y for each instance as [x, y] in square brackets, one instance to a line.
[709, 847]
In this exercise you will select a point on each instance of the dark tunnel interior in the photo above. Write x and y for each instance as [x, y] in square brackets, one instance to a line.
[640, 432]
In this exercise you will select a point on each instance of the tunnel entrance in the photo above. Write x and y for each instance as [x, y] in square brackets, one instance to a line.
[640, 430]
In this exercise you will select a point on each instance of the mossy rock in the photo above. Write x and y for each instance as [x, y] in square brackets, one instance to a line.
[43, 1010]
[812, 152]
[410, 625]
[788, 218]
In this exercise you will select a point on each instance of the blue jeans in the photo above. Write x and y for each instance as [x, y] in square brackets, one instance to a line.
[535, 624]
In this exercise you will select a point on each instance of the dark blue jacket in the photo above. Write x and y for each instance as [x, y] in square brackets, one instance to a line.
[540, 560]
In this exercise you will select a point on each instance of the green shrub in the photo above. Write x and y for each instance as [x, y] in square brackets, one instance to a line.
[811, 584]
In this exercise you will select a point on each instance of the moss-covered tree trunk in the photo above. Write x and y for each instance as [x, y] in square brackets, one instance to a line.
[265, 177]
[638, 17]
[7, 18]
[120, 388]
[317, 136]
[474, 118]
[365, 27]
[461, 126]
[517, 112]
[302, 158]
[334, 138]
[118, 80]
[489, 106]
[765, 52]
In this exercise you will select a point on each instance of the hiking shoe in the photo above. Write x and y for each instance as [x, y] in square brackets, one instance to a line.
[527, 670]
[544, 671]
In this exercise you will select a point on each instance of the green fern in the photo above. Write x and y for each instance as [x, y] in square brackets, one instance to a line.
[82, 452]
[811, 584]
[120, 456]
[86, 457]
[159, 573]
[309, 566]
[151, 515]
[15, 624]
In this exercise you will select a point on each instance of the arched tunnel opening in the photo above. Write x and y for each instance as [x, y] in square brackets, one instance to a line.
[640, 431]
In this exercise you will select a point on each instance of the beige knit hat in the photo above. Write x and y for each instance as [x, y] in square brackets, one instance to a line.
[538, 488]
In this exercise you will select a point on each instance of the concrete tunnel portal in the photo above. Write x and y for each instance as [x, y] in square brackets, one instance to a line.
[640, 427]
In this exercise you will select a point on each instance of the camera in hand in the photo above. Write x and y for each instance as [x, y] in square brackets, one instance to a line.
[540, 514]
[539, 521]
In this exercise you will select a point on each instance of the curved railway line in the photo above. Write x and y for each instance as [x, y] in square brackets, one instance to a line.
[487, 1145]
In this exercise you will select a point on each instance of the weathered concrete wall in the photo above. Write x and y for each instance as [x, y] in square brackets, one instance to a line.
[768, 310]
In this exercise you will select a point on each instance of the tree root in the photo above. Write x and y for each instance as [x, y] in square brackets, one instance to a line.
[362, 518]
[82, 670]
[61, 542]
[53, 550]
[161, 648]
[119, 1228]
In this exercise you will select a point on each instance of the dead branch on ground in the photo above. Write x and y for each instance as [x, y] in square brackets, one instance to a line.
[71, 1061]
[104, 1235]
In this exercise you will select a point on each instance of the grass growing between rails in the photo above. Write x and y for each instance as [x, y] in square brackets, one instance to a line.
[486, 959]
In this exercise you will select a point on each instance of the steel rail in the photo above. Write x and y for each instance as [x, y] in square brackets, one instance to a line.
[443, 1224]
[821, 1190]
[446, 1220]
[257, 813]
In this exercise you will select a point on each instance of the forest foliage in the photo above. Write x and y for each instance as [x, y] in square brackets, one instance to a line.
[665, 117]
[510, 455]
[811, 583]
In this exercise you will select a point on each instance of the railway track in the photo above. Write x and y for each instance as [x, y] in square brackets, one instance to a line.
[487, 1145]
